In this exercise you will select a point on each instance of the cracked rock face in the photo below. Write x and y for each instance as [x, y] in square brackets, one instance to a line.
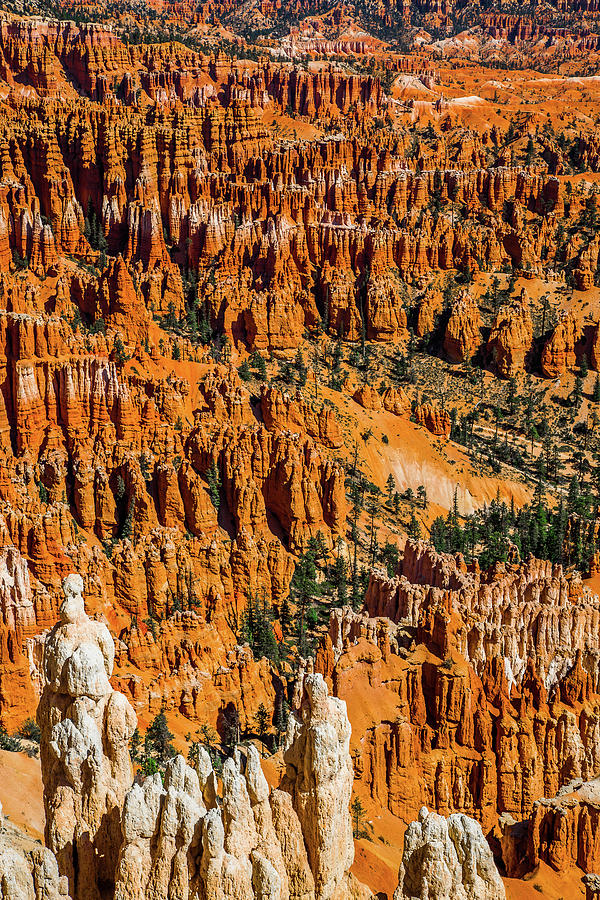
[447, 858]
[27, 871]
[176, 838]
[319, 777]
[86, 728]
[291, 844]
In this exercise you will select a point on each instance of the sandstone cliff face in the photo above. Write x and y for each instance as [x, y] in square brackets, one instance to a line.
[463, 338]
[475, 714]
[139, 483]
[511, 337]
[435, 420]
[558, 355]
[320, 784]
[562, 831]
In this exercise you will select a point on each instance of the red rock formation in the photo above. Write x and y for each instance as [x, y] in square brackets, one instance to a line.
[558, 355]
[561, 832]
[463, 337]
[435, 420]
[511, 337]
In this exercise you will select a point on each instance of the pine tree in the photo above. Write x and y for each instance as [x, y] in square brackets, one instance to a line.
[414, 528]
[119, 352]
[260, 365]
[213, 477]
[390, 486]
[135, 745]
[596, 393]
[340, 579]
[158, 739]
[257, 629]
[280, 717]
[285, 617]
[261, 724]
[301, 369]
[304, 588]
[244, 371]
[358, 815]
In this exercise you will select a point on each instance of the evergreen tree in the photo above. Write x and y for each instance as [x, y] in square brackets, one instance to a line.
[260, 365]
[285, 617]
[301, 369]
[135, 745]
[280, 717]
[213, 477]
[414, 528]
[257, 629]
[244, 371]
[158, 740]
[340, 579]
[358, 815]
[304, 588]
[119, 352]
[261, 724]
[390, 486]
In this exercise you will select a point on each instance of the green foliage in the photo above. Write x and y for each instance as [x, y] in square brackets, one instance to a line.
[262, 723]
[213, 478]
[127, 526]
[561, 534]
[244, 371]
[304, 589]
[20, 262]
[358, 817]
[157, 742]
[280, 717]
[92, 230]
[257, 629]
[300, 368]
[390, 556]
[9, 742]
[30, 730]
[98, 327]
[119, 352]
[340, 579]
[258, 362]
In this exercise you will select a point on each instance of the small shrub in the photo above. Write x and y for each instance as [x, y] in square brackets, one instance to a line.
[31, 730]
[9, 742]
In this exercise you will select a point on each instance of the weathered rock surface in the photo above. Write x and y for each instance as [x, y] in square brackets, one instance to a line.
[27, 870]
[173, 837]
[85, 728]
[445, 858]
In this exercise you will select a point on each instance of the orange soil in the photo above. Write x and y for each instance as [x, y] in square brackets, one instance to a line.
[21, 792]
